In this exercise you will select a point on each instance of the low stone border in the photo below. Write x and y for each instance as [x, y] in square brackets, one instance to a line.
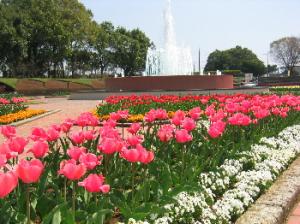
[273, 207]
[25, 121]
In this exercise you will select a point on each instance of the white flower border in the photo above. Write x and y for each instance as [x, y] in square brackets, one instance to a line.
[228, 192]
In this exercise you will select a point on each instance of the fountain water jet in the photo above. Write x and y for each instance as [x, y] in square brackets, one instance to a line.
[172, 59]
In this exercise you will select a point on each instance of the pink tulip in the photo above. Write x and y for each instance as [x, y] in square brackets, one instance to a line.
[52, 134]
[239, 119]
[261, 113]
[178, 117]
[77, 137]
[17, 144]
[38, 134]
[182, 136]
[188, 124]
[134, 140]
[94, 184]
[161, 114]
[8, 131]
[110, 146]
[5, 150]
[145, 156]
[216, 129]
[110, 123]
[56, 127]
[90, 135]
[71, 170]
[87, 119]
[131, 155]
[119, 115]
[8, 182]
[30, 171]
[195, 113]
[90, 160]
[66, 125]
[75, 152]
[134, 128]
[4, 101]
[105, 188]
[39, 149]
[165, 133]
[150, 116]
[109, 132]
[3, 160]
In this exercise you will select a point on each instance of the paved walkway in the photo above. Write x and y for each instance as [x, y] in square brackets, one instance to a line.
[294, 217]
[69, 109]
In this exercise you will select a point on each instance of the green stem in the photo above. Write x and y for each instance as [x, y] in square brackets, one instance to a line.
[74, 200]
[132, 180]
[65, 190]
[96, 199]
[28, 203]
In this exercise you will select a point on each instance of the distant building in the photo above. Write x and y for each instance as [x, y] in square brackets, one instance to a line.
[297, 69]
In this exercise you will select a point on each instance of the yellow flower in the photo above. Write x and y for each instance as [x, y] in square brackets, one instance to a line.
[21, 115]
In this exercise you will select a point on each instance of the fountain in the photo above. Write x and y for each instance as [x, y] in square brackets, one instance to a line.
[169, 69]
[172, 59]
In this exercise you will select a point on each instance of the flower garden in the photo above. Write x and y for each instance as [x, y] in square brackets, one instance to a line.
[181, 159]
[13, 108]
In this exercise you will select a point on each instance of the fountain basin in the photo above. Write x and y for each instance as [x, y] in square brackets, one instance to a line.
[169, 83]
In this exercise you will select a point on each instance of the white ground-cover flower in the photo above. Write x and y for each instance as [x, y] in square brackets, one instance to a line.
[227, 192]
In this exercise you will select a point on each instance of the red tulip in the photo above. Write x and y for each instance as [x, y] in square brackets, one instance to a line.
[8, 131]
[8, 182]
[71, 170]
[30, 171]
[39, 149]
[94, 183]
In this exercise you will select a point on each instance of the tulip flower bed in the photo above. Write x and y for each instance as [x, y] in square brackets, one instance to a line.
[11, 105]
[206, 164]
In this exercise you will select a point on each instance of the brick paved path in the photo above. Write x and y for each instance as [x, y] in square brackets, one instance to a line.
[294, 217]
[69, 109]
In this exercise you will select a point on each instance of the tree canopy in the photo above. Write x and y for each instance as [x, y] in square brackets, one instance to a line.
[237, 58]
[286, 51]
[60, 37]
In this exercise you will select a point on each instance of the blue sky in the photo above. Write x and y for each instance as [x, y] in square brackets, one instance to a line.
[207, 24]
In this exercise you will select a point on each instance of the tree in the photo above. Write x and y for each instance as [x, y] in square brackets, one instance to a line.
[286, 51]
[130, 50]
[237, 58]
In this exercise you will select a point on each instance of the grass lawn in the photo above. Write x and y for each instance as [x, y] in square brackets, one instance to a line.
[83, 81]
[12, 82]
